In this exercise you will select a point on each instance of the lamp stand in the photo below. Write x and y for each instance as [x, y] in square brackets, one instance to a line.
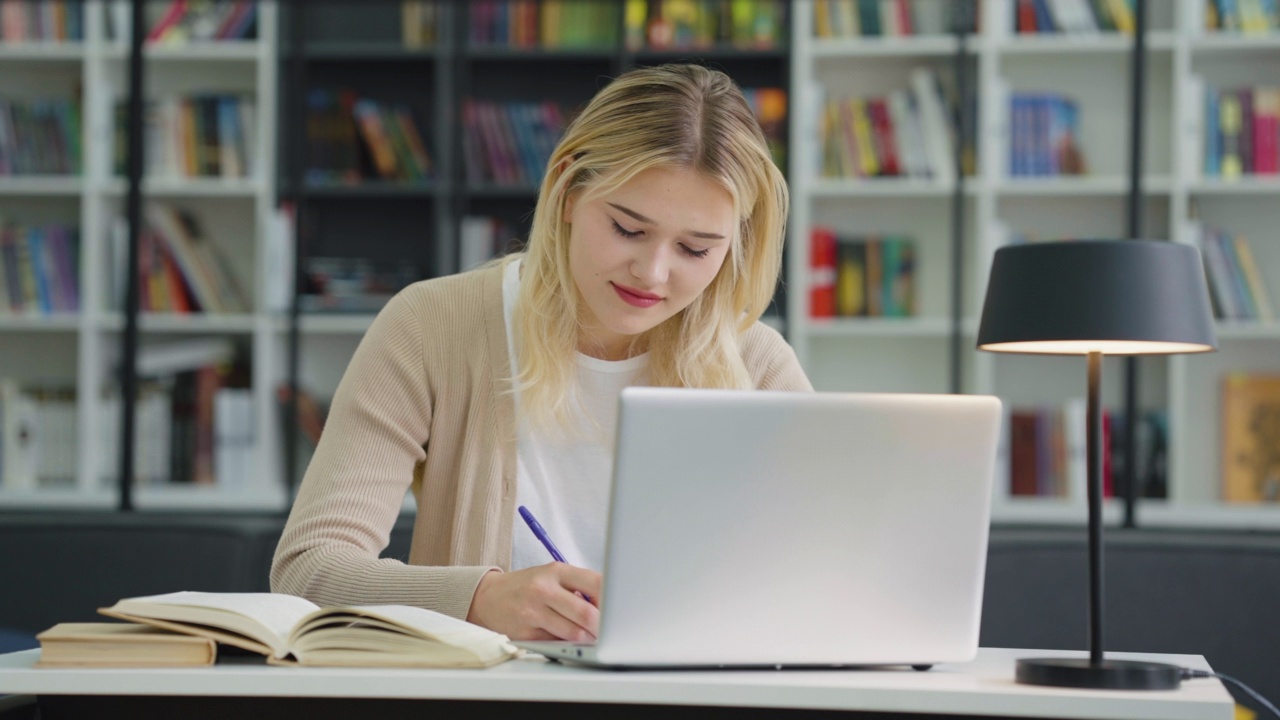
[1096, 672]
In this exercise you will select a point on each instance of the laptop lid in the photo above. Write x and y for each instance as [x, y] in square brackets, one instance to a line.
[751, 528]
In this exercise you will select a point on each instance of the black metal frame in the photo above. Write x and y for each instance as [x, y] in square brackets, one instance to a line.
[1137, 101]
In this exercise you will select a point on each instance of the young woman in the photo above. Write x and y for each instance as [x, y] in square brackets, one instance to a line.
[656, 245]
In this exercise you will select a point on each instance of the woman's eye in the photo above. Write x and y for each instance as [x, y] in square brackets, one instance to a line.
[694, 253]
[624, 232]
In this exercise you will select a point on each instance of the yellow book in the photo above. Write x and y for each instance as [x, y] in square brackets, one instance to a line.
[552, 19]
[1122, 16]
[866, 143]
[635, 15]
[121, 645]
[1229, 124]
[822, 18]
[1251, 438]
[290, 630]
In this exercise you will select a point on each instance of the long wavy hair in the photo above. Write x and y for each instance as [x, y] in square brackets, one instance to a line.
[671, 116]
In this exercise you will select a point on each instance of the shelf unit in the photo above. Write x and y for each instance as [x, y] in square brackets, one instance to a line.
[81, 349]
[862, 355]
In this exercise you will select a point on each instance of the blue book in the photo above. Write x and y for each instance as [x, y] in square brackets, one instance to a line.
[1212, 135]
[35, 250]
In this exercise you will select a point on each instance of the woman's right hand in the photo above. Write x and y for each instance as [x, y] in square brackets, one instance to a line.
[539, 603]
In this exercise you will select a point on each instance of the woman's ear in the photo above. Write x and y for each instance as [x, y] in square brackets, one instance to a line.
[571, 199]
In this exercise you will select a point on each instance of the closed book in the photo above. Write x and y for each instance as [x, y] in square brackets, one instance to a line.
[121, 645]
[1251, 438]
[290, 630]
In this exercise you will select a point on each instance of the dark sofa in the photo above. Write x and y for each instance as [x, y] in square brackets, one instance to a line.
[1209, 593]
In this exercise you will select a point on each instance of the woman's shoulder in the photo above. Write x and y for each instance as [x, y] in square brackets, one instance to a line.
[761, 342]
[461, 300]
[770, 360]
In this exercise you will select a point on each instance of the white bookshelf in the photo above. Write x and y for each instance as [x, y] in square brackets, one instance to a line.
[80, 349]
[911, 355]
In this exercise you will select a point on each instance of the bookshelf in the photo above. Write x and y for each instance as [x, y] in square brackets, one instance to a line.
[912, 354]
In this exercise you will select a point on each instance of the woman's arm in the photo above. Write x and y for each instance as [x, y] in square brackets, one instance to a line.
[372, 446]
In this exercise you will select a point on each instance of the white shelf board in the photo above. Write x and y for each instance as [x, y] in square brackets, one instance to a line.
[1076, 43]
[1247, 330]
[1244, 185]
[190, 187]
[1078, 186]
[179, 323]
[43, 51]
[69, 185]
[1216, 43]
[909, 46]
[1051, 511]
[225, 50]
[1156, 513]
[59, 498]
[886, 187]
[335, 324]
[61, 322]
[178, 496]
[879, 327]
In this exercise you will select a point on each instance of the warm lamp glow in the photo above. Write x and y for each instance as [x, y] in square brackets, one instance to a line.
[1106, 347]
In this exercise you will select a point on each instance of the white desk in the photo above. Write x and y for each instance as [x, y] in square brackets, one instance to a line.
[981, 688]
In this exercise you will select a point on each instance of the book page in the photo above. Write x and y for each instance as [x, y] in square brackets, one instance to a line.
[271, 616]
[419, 621]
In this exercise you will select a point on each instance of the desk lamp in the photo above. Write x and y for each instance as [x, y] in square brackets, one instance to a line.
[1096, 297]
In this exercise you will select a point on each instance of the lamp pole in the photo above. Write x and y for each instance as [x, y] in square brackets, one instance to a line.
[1137, 88]
[1094, 467]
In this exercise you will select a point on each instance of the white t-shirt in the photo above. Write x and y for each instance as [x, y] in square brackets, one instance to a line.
[564, 480]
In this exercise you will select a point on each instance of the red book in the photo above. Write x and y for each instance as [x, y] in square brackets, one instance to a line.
[172, 15]
[882, 131]
[1026, 17]
[904, 18]
[822, 273]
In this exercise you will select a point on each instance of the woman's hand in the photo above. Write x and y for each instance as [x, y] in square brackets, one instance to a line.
[539, 603]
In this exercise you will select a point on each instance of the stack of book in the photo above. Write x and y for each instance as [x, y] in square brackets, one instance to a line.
[182, 21]
[482, 238]
[351, 139]
[862, 276]
[38, 435]
[509, 143]
[47, 20]
[1043, 136]
[181, 269]
[1236, 285]
[39, 269]
[902, 134]
[194, 417]
[549, 24]
[702, 24]
[1073, 16]
[854, 18]
[207, 135]
[1251, 437]
[1250, 17]
[39, 136]
[1241, 131]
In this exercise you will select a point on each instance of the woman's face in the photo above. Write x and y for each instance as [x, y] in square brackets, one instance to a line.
[644, 252]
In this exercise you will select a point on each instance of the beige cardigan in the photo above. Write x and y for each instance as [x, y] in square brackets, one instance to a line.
[422, 407]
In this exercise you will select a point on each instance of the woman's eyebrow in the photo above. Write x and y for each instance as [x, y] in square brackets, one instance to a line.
[643, 219]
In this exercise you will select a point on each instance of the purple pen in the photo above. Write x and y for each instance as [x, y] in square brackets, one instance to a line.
[545, 539]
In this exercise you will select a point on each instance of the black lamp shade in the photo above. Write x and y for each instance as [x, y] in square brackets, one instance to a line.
[1118, 297]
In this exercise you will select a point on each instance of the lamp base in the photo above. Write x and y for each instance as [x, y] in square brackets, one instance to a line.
[1109, 675]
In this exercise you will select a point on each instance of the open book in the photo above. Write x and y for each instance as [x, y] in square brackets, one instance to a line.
[290, 630]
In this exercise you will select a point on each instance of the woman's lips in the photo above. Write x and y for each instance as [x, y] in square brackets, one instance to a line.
[637, 298]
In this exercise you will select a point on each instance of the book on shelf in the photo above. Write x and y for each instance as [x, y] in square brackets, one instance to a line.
[207, 135]
[311, 413]
[863, 276]
[120, 644]
[1236, 286]
[482, 238]
[545, 24]
[1241, 131]
[902, 134]
[1044, 136]
[47, 21]
[1247, 17]
[39, 269]
[769, 105]
[40, 136]
[704, 24]
[290, 630]
[179, 22]
[1251, 437]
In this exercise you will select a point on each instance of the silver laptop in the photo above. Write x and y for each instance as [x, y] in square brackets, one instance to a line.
[794, 529]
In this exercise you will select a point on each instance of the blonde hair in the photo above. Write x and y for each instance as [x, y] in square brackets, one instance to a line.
[673, 116]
